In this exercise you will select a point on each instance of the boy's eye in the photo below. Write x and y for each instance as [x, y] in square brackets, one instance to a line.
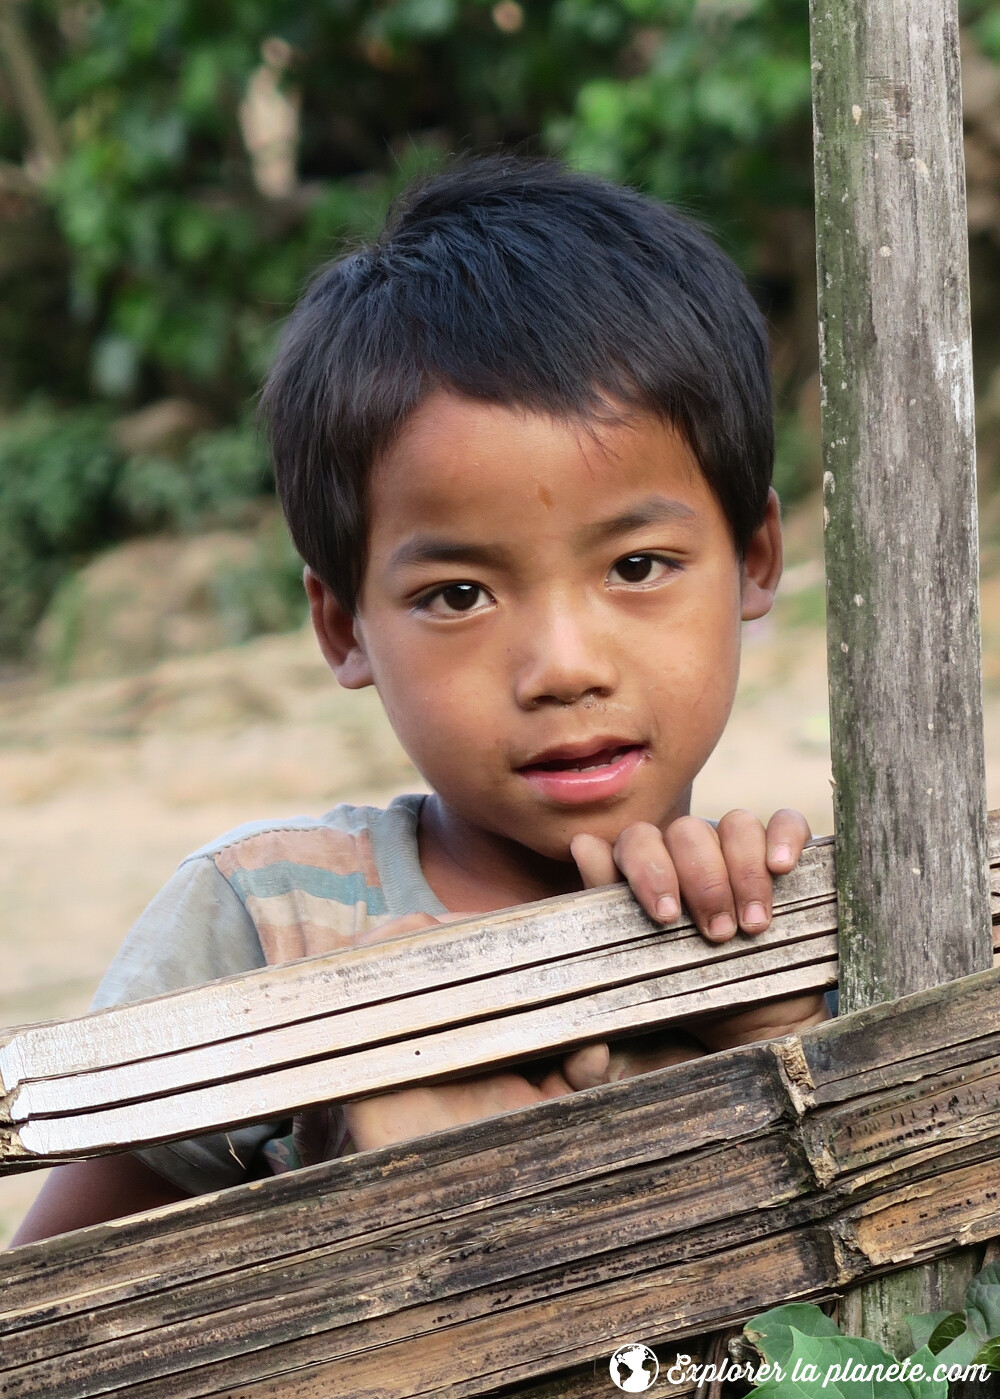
[455, 598]
[643, 568]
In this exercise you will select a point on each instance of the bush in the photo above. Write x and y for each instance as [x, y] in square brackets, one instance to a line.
[58, 475]
[212, 484]
[66, 490]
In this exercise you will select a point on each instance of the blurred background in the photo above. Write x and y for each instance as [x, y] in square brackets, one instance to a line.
[171, 172]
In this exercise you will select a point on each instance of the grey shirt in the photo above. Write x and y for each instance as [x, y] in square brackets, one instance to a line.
[265, 893]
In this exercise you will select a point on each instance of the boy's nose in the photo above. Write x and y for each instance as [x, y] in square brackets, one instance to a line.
[564, 657]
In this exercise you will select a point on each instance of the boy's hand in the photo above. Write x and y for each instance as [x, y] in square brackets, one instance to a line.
[411, 1112]
[722, 874]
[789, 1016]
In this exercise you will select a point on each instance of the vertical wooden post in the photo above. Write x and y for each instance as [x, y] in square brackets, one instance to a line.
[900, 514]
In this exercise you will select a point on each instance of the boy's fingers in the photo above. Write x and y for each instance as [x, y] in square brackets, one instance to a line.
[594, 860]
[587, 1067]
[787, 834]
[554, 1085]
[642, 856]
[704, 880]
[744, 850]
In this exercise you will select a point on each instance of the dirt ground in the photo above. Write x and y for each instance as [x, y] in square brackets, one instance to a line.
[106, 784]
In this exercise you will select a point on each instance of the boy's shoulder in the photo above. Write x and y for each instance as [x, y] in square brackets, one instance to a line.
[297, 835]
[311, 884]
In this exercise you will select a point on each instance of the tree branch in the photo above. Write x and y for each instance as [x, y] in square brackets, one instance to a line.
[26, 81]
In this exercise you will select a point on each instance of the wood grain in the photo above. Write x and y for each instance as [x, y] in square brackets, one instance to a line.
[535, 1242]
[899, 481]
[899, 494]
[496, 990]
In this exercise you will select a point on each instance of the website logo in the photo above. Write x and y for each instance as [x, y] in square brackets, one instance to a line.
[634, 1368]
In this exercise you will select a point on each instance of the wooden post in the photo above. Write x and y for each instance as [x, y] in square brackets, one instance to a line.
[900, 515]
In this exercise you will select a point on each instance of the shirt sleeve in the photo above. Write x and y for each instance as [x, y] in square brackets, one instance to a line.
[195, 930]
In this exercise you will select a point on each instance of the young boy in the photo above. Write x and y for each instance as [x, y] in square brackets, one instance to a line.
[523, 442]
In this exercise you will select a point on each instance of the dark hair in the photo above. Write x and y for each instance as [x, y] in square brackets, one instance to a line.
[520, 283]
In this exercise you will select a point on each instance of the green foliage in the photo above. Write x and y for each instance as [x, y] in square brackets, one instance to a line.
[58, 473]
[214, 482]
[179, 267]
[156, 261]
[971, 1336]
[773, 1333]
[715, 119]
[807, 1353]
[66, 489]
[266, 594]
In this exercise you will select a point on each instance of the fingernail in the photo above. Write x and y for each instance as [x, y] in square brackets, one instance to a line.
[666, 909]
[722, 925]
[781, 854]
[755, 914]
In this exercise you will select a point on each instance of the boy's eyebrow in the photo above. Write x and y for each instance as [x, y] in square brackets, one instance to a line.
[432, 548]
[653, 510]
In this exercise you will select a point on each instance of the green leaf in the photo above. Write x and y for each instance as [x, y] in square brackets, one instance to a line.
[851, 1357]
[927, 1387]
[961, 1350]
[982, 1302]
[989, 1354]
[949, 1329]
[923, 1327]
[771, 1332]
[844, 1367]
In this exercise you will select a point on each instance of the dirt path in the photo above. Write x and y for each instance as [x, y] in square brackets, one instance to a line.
[105, 786]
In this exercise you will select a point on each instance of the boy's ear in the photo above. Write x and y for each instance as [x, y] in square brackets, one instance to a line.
[762, 563]
[338, 634]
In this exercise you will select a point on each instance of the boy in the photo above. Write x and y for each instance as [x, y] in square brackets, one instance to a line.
[524, 444]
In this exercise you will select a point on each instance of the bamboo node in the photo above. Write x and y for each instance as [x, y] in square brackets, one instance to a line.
[795, 1073]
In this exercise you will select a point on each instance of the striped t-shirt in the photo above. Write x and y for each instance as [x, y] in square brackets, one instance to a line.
[265, 893]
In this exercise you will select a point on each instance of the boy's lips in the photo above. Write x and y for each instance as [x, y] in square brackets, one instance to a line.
[584, 772]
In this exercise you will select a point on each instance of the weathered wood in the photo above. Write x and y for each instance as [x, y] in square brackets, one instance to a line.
[590, 925]
[899, 494]
[422, 1007]
[539, 1240]
[900, 514]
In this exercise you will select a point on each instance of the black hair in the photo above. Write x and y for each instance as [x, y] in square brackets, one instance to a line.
[520, 283]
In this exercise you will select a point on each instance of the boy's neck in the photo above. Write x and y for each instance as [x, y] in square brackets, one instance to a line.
[475, 871]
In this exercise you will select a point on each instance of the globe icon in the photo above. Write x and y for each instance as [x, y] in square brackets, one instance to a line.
[634, 1368]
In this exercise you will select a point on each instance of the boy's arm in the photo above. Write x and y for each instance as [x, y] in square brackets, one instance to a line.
[90, 1192]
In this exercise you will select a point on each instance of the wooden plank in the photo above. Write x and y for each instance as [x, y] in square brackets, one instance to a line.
[499, 1253]
[219, 1079]
[504, 1040]
[899, 485]
[621, 990]
[900, 496]
[500, 1159]
[591, 1381]
[526, 937]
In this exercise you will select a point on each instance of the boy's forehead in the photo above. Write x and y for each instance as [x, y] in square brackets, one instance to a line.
[455, 455]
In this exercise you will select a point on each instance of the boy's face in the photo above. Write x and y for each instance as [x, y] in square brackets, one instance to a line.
[544, 597]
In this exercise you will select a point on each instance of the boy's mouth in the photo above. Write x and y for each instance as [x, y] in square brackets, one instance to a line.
[586, 762]
[584, 772]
